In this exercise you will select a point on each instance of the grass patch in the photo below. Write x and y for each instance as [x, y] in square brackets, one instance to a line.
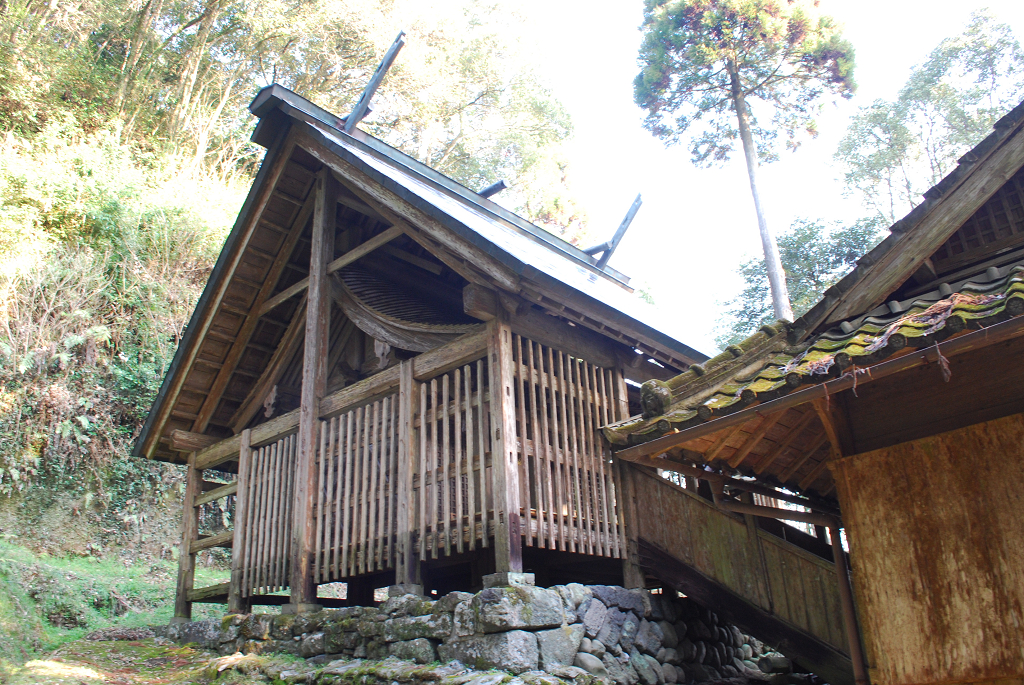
[46, 602]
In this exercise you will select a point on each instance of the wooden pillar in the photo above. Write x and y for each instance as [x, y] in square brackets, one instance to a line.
[189, 534]
[407, 563]
[508, 541]
[632, 575]
[314, 381]
[237, 603]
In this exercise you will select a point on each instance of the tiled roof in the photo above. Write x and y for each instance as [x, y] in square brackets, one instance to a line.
[766, 366]
[861, 277]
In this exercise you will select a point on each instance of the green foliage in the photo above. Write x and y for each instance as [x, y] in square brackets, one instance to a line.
[699, 56]
[814, 256]
[894, 151]
[103, 252]
[47, 601]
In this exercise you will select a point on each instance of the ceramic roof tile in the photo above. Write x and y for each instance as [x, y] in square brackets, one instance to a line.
[988, 298]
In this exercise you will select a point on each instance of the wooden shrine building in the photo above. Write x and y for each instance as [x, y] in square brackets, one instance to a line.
[893, 409]
[389, 379]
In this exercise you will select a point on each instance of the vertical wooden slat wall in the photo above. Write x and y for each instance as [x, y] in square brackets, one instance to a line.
[453, 496]
[268, 489]
[569, 491]
[357, 491]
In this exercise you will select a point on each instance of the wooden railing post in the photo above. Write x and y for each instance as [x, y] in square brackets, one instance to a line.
[314, 381]
[237, 603]
[508, 541]
[189, 534]
[406, 562]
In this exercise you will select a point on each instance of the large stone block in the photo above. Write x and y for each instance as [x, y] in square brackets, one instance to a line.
[204, 633]
[644, 668]
[337, 640]
[649, 638]
[407, 605]
[611, 630]
[257, 627]
[448, 603]
[621, 673]
[626, 600]
[523, 606]
[421, 650]
[464, 619]
[515, 651]
[595, 617]
[590, 663]
[312, 645]
[630, 629]
[437, 626]
[558, 646]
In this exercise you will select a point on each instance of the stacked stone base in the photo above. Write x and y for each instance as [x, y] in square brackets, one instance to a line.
[623, 636]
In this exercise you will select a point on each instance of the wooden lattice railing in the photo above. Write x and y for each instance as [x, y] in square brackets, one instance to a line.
[567, 483]
[268, 484]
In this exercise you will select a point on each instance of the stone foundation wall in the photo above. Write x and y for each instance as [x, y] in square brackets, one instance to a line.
[625, 636]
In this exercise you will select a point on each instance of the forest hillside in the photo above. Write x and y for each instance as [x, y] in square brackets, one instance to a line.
[124, 157]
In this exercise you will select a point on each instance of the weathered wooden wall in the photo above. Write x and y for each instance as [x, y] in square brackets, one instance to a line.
[781, 579]
[936, 530]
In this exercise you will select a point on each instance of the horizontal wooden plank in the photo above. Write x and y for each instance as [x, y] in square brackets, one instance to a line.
[217, 493]
[222, 539]
[205, 594]
[187, 441]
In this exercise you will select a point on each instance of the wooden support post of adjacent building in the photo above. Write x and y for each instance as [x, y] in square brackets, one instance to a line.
[632, 574]
[508, 542]
[237, 602]
[407, 572]
[189, 534]
[314, 382]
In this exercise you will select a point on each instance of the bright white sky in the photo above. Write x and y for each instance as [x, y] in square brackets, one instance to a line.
[696, 226]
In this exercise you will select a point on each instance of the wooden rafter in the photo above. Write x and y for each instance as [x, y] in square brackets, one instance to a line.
[290, 342]
[823, 412]
[820, 440]
[719, 445]
[755, 438]
[769, 458]
[812, 477]
[281, 160]
[341, 262]
[252, 318]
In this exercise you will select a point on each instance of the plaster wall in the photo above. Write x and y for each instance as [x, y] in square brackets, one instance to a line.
[936, 530]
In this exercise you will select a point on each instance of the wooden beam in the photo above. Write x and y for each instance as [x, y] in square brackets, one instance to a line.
[825, 415]
[754, 438]
[223, 491]
[402, 213]
[508, 541]
[205, 594]
[237, 603]
[479, 302]
[187, 441]
[406, 571]
[284, 353]
[280, 157]
[189, 534]
[223, 539]
[795, 466]
[428, 365]
[341, 262]
[769, 458]
[314, 382]
[252, 318]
